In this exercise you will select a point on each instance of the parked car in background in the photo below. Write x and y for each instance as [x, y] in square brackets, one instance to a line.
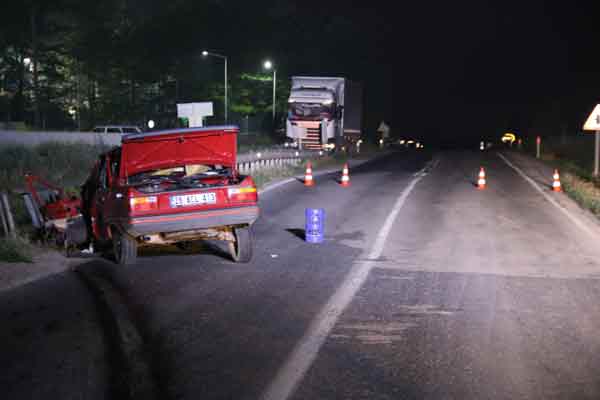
[122, 129]
[170, 187]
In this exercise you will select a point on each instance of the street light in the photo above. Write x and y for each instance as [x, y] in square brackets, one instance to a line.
[207, 54]
[268, 65]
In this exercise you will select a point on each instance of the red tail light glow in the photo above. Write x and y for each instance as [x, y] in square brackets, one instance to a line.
[245, 194]
[147, 203]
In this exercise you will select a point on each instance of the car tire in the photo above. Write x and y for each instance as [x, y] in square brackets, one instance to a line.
[241, 249]
[124, 248]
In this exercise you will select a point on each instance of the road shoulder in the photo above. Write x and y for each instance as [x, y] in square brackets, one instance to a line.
[46, 262]
[541, 174]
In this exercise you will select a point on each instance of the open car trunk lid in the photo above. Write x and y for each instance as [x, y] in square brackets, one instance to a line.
[165, 149]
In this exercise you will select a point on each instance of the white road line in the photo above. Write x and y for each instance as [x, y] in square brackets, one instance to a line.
[305, 352]
[295, 179]
[576, 221]
[276, 185]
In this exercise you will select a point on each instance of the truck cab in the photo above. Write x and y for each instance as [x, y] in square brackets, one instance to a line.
[324, 111]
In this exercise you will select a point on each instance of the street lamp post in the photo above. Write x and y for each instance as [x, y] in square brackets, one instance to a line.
[269, 65]
[206, 54]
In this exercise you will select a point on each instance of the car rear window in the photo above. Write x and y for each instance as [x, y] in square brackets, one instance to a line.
[131, 130]
[113, 130]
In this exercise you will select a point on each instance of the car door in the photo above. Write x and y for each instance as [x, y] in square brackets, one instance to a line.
[100, 199]
[115, 199]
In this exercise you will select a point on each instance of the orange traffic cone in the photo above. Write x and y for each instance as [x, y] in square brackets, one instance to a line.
[345, 176]
[481, 181]
[308, 176]
[556, 182]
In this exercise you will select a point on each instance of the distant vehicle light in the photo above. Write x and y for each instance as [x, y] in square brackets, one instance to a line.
[328, 102]
[402, 141]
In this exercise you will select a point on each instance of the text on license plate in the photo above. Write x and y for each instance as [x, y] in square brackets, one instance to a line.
[193, 199]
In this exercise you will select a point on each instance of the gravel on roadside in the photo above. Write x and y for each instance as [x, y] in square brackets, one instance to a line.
[45, 262]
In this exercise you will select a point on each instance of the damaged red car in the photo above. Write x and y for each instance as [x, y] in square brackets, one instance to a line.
[171, 187]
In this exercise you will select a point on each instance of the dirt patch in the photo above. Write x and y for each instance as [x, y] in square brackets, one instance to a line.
[45, 262]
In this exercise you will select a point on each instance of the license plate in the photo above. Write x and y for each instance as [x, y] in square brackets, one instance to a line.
[193, 199]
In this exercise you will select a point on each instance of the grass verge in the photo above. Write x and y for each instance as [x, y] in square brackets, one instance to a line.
[14, 250]
[64, 164]
[575, 173]
[584, 191]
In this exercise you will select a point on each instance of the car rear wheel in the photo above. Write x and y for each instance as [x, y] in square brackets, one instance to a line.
[124, 247]
[241, 248]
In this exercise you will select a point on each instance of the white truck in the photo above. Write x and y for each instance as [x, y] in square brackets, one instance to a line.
[324, 113]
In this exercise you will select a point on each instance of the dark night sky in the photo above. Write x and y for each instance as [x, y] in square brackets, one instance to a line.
[481, 67]
[466, 67]
[469, 67]
[473, 67]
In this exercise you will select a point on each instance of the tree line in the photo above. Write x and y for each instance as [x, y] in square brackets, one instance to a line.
[74, 64]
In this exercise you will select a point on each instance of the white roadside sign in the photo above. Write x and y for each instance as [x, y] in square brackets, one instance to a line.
[593, 124]
[593, 121]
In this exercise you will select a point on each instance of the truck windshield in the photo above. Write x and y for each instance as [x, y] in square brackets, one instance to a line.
[311, 110]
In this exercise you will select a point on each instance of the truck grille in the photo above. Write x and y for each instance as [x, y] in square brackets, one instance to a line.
[312, 140]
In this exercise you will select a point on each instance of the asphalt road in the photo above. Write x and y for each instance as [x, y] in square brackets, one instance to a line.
[52, 342]
[426, 288]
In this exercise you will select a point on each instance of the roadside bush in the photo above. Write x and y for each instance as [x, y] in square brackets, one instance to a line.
[584, 191]
[65, 164]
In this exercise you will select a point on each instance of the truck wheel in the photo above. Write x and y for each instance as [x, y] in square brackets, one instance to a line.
[241, 248]
[124, 248]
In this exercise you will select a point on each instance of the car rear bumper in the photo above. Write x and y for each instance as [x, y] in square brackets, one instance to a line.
[190, 221]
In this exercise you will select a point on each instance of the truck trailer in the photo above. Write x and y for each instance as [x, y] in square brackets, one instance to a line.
[324, 112]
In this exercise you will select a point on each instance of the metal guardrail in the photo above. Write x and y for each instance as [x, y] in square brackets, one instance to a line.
[274, 158]
[6, 216]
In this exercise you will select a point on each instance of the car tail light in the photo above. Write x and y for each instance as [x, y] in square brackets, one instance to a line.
[242, 194]
[147, 203]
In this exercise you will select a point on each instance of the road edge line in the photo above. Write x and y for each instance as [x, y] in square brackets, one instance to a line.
[305, 352]
[537, 187]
